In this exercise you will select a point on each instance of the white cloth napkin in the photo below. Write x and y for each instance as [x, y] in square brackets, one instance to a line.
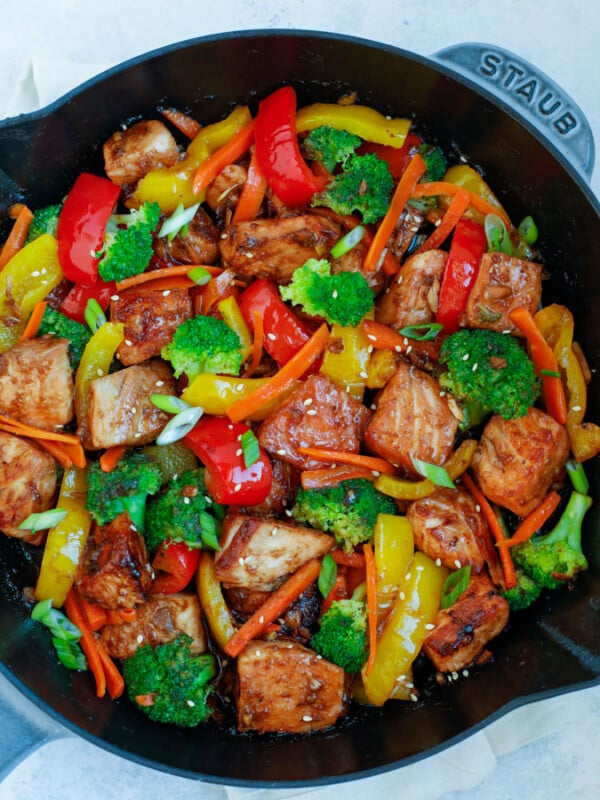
[460, 767]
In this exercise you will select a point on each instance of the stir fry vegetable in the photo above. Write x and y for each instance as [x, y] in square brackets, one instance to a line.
[290, 409]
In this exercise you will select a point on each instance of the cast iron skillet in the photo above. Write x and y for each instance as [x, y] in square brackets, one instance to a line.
[552, 648]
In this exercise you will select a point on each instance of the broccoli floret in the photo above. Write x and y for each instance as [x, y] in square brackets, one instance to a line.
[343, 298]
[348, 510]
[365, 185]
[169, 684]
[435, 161]
[524, 593]
[127, 246]
[44, 220]
[125, 488]
[490, 372]
[557, 557]
[57, 324]
[204, 344]
[342, 637]
[330, 146]
[183, 513]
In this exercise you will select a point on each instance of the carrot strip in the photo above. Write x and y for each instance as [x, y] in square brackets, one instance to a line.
[16, 237]
[273, 607]
[217, 289]
[402, 194]
[88, 641]
[450, 189]
[283, 379]
[145, 700]
[114, 680]
[508, 566]
[544, 360]
[22, 429]
[221, 158]
[257, 343]
[67, 455]
[331, 476]
[96, 615]
[166, 272]
[355, 459]
[176, 282]
[121, 616]
[253, 193]
[111, 457]
[339, 591]
[34, 321]
[458, 206]
[371, 581]
[183, 122]
[354, 559]
[534, 521]
[382, 337]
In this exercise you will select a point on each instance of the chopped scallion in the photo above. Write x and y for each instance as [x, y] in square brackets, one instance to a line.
[327, 575]
[250, 448]
[550, 373]
[43, 520]
[497, 235]
[348, 241]
[422, 333]
[94, 315]
[169, 403]
[177, 221]
[65, 635]
[200, 276]
[433, 472]
[180, 425]
[528, 230]
[454, 585]
[211, 529]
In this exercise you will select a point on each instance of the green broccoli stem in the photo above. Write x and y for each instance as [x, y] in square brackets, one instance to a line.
[568, 527]
[135, 506]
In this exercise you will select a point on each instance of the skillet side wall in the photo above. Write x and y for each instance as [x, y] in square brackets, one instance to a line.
[550, 648]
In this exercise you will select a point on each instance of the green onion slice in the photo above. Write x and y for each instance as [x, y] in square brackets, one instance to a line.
[454, 585]
[528, 230]
[250, 448]
[43, 520]
[434, 473]
[70, 654]
[200, 276]
[93, 315]
[422, 333]
[327, 575]
[550, 373]
[65, 635]
[211, 530]
[578, 477]
[348, 241]
[497, 235]
[169, 403]
[178, 220]
[181, 424]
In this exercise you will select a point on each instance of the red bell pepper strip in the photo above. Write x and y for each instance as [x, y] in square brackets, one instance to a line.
[469, 243]
[216, 441]
[74, 304]
[397, 158]
[175, 565]
[81, 225]
[277, 150]
[283, 332]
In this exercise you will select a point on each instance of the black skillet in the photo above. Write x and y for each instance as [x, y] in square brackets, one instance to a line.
[476, 100]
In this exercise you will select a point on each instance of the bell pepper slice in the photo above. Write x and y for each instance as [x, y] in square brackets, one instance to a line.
[65, 542]
[363, 121]
[175, 565]
[277, 150]
[216, 393]
[212, 601]
[393, 544]
[230, 311]
[397, 158]
[74, 304]
[216, 441]
[468, 245]
[468, 178]
[346, 358]
[81, 225]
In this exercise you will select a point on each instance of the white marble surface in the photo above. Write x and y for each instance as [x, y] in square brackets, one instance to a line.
[545, 751]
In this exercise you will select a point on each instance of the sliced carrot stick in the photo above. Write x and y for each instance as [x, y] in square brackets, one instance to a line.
[331, 476]
[67, 455]
[111, 457]
[218, 289]
[183, 122]
[114, 680]
[273, 607]
[354, 559]
[96, 615]
[34, 321]
[534, 521]
[16, 237]
[355, 459]
[253, 193]
[402, 194]
[450, 189]
[221, 158]
[382, 337]
[508, 566]
[458, 206]
[22, 429]
[166, 272]
[371, 581]
[88, 641]
[544, 362]
[283, 379]
[121, 616]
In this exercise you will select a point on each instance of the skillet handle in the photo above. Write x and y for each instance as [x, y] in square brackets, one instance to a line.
[530, 93]
[23, 729]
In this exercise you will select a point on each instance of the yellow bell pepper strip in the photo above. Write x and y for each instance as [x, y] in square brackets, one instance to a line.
[230, 311]
[346, 358]
[393, 544]
[216, 393]
[468, 178]
[212, 167]
[556, 325]
[174, 185]
[362, 121]
[213, 604]
[380, 369]
[455, 466]
[405, 628]
[27, 278]
[95, 363]
[65, 542]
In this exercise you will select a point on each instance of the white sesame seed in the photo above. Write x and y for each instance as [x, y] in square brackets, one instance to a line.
[334, 294]
[413, 697]
[35, 274]
[429, 626]
[139, 638]
[407, 577]
[405, 342]
[397, 348]
[455, 676]
[465, 357]
[281, 452]
[190, 703]
[272, 337]
[442, 393]
[308, 401]
[128, 342]
[409, 685]
[375, 473]
[261, 619]
[364, 374]
[465, 673]
[370, 348]
[307, 718]
[239, 452]
[186, 501]
[438, 562]
[399, 281]
[133, 410]
[420, 568]
[478, 508]
[475, 367]
[408, 349]
[99, 372]
[137, 435]
[166, 292]
[371, 337]
[311, 412]
[575, 408]
[237, 487]
[457, 564]
[373, 406]
[402, 596]
[115, 297]
[159, 383]
[288, 513]
[241, 561]
[249, 255]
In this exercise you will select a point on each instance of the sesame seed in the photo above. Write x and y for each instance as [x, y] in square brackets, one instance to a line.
[375, 473]
[237, 487]
[402, 596]
[43, 270]
[166, 292]
[370, 348]
[139, 638]
[288, 513]
[373, 406]
[399, 281]
[575, 408]
[408, 349]
[397, 348]
[371, 337]
[405, 342]
[311, 412]
[465, 673]
[334, 294]
[281, 452]
[308, 401]
[115, 297]
[438, 562]
[307, 718]
[455, 676]
[407, 577]
[224, 236]
[190, 703]
[239, 451]
[159, 383]
[35, 274]
[413, 697]
[442, 393]
[133, 409]
[207, 498]
[478, 508]
[272, 337]
[249, 254]
[429, 626]
[261, 619]
[475, 367]
[465, 357]
[457, 564]
[230, 427]
[241, 561]
[420, 568]
[128, 342]
[437, 222]
[364, 374]
[99, 372]
[409, 685]
[186, 501]
[138, 435]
